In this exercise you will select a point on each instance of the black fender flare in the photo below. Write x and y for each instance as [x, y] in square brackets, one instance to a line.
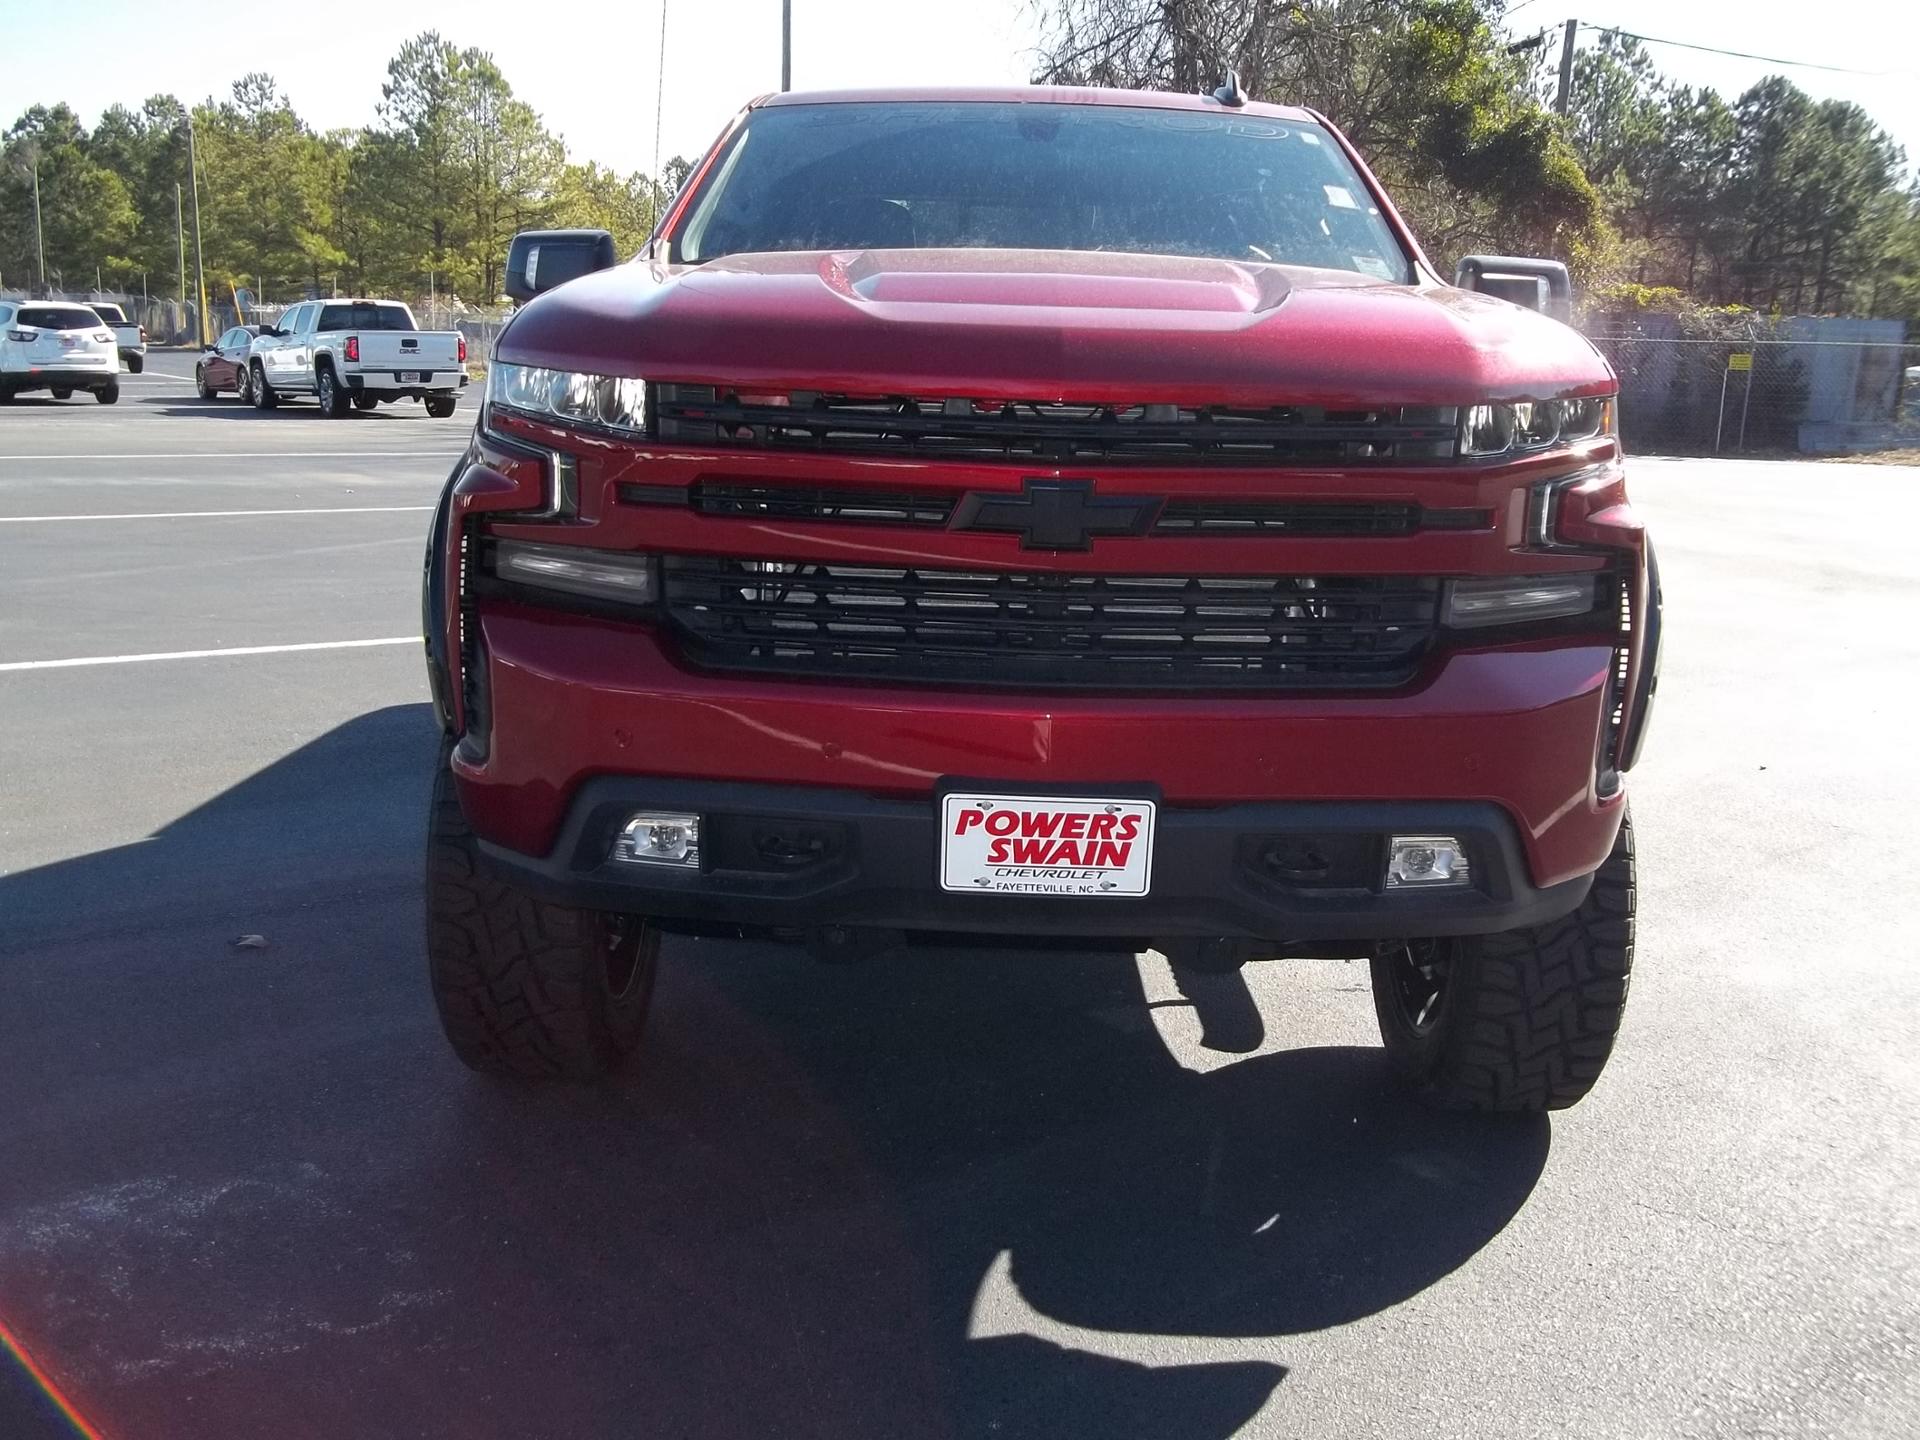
[1647, 685]
[433, 602]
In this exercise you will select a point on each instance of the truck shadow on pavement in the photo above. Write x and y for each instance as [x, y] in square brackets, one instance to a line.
[228, 408]
[962, 1193]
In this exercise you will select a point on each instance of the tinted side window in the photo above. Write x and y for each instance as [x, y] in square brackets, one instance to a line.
[63, 317]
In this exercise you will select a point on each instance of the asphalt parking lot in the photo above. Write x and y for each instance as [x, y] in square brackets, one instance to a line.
[248, 1191]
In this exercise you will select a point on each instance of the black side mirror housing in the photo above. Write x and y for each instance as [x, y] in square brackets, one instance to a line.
[1541, 285]
[541, 260]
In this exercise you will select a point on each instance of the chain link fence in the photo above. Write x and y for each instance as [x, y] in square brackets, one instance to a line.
[1797, 386]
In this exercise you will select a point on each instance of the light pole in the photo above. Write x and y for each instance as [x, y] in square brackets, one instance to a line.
[786, 45]
[39, 234]
[199, 263]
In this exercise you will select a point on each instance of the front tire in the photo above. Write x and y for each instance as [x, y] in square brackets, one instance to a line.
[527, 988]
[207, 392]
[1519, 1021]
[136, 363]
[109, 393]
[63, 392]
[364, 401]
[260, 390]
[440, 407]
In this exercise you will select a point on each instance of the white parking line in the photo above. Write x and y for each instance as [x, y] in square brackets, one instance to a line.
[205, 654]
[217, 514]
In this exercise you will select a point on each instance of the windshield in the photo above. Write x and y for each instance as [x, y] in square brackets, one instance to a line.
[365, 317]
[1044, 177]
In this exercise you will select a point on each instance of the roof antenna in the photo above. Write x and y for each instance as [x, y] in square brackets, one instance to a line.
[1230, 92]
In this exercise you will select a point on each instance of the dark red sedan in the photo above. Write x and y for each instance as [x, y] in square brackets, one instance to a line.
[224, 365]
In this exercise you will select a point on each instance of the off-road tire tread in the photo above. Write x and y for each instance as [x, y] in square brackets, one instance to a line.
[515, 978]
[1536, 1010]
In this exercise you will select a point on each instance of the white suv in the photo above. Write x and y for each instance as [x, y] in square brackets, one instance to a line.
[50, 345]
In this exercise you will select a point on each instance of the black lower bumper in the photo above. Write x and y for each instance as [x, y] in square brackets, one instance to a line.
[51, 379]
[795, 859]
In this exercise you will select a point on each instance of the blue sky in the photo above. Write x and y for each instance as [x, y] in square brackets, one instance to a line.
[594, 80]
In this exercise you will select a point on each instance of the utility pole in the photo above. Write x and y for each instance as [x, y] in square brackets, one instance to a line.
[1566, 68]
[180, 230]
[199, 262]
[39, 234]
[786, 45]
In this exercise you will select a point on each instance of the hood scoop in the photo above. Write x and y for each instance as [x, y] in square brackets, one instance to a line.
[1070, 282]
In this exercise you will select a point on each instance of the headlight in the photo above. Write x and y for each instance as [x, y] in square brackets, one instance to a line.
[616, 575]
[1532, 425]
[1513, 599]
[570, 396]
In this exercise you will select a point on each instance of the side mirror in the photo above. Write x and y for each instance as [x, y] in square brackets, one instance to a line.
[1541, 285]
[540, 260]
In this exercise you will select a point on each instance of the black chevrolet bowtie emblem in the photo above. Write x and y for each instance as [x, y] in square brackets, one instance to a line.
[1056, 514]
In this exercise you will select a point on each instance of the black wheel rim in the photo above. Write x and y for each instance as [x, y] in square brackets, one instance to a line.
[624, 945]
[1421, 971]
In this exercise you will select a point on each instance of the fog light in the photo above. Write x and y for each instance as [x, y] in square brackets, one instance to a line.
[1420, 860]
[652, 838]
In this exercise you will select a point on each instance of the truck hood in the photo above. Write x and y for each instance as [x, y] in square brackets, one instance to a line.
[1054, 325]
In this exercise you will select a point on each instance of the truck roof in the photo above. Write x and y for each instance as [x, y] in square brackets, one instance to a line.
[1036, 95]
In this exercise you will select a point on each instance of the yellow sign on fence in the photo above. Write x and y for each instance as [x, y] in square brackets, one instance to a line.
[1742, 360]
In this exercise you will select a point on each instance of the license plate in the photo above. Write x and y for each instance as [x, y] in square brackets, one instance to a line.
[1045, 845]
[407, 377]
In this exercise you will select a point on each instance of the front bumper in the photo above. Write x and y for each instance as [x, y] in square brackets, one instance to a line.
[585, 712]
[790, 858]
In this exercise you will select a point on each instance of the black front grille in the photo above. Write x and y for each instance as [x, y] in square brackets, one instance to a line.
[933, 509]
[1269, 517]
[847, 505]
[1052, 433]
[984, 628]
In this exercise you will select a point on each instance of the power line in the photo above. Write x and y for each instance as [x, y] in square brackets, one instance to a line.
[1739, 54]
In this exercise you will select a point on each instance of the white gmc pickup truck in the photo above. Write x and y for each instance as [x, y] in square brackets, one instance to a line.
[128, 338]
[352, 354]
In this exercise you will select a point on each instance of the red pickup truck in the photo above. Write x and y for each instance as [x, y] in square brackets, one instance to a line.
[1043, 512]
